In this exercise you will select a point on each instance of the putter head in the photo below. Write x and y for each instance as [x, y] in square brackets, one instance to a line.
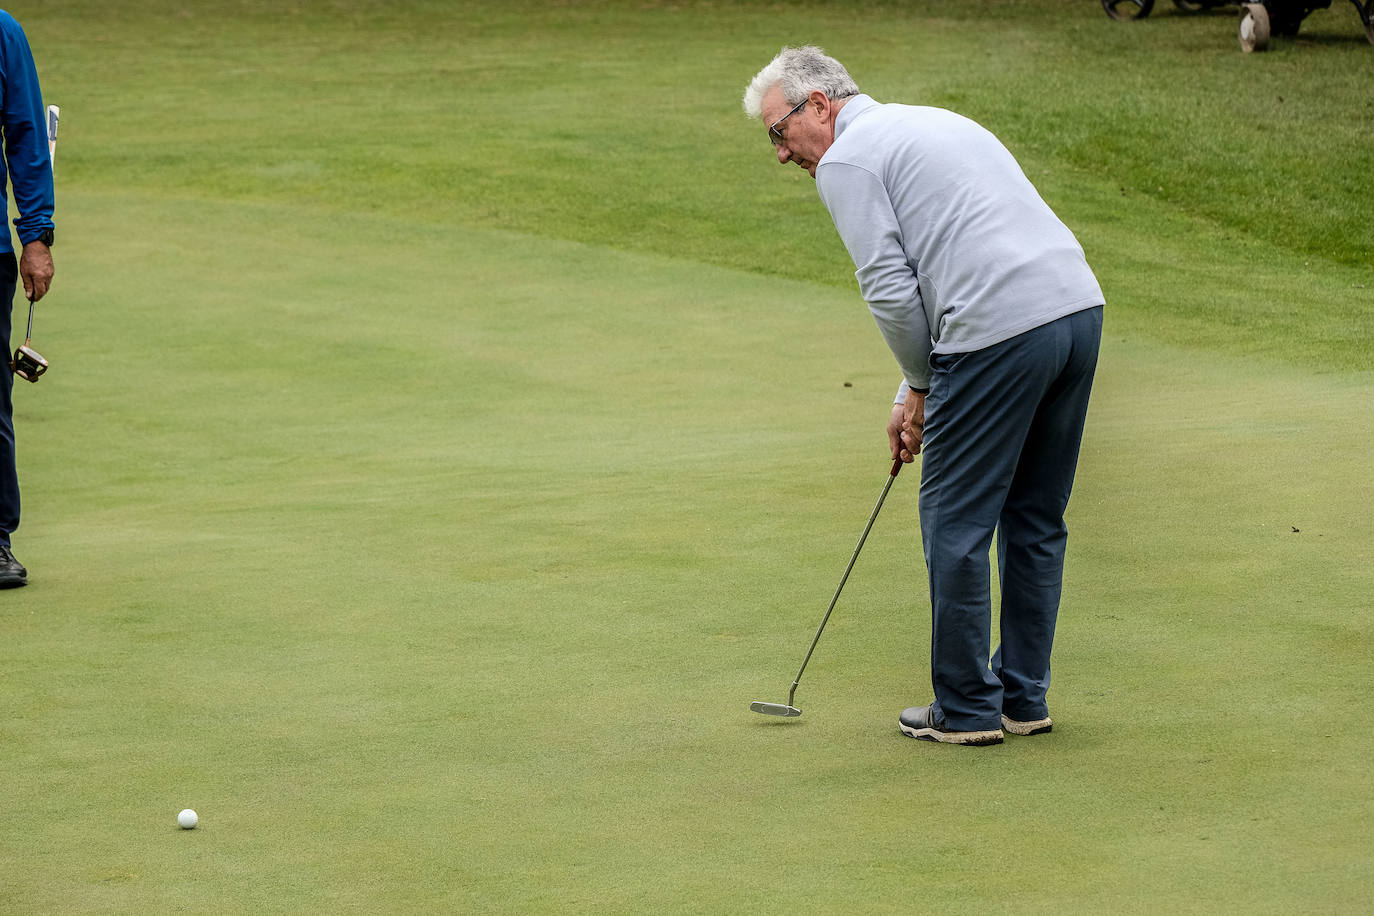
[28, 364]
[775, 709]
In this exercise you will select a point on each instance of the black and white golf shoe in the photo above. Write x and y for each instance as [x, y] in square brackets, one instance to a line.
[918, 723]
[1029, 727]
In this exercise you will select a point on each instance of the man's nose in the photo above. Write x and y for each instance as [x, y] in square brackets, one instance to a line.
[784, 154]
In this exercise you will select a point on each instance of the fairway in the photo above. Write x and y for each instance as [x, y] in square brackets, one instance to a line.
[456, 419]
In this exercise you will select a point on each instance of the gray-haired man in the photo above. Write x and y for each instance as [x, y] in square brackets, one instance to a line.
[994, 317]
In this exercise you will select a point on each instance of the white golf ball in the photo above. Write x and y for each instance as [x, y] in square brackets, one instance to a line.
[187, 819]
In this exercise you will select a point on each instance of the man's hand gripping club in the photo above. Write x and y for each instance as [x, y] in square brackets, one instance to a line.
[907, 427]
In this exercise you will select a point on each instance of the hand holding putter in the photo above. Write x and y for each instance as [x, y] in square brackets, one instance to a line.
[28, 363]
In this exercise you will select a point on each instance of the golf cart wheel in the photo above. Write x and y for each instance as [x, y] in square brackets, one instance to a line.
[1254, 27]
[1369, 22]
[1126, 10]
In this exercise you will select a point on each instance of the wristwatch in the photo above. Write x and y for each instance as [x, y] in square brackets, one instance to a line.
[45, 237]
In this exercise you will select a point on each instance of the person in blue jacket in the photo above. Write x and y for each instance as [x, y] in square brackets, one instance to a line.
[26, 160]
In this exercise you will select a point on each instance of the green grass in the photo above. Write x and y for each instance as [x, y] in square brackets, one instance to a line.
[456, 420]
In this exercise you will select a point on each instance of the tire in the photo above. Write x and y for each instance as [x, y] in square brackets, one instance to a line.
[1254, 27]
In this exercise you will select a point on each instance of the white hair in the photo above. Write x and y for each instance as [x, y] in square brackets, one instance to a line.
[799, 72]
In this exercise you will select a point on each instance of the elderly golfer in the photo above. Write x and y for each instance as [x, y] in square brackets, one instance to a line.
[994, 317]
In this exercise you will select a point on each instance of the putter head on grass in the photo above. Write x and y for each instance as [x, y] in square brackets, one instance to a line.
[775, 709]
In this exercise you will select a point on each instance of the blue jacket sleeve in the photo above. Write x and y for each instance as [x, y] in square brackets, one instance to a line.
[25, 129]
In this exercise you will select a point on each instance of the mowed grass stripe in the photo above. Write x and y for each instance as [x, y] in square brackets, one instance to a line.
[640, 143]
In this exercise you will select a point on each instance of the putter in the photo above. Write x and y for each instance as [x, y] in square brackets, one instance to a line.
[28, 363]
[787, 710]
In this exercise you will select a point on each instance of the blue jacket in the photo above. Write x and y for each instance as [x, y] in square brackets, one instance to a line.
[24, 122]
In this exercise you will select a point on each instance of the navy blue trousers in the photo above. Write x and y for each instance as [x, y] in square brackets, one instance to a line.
[1002, 431]
[9, 475]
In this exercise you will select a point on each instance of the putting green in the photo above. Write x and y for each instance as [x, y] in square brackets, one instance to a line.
[433, 552]
[452, 590]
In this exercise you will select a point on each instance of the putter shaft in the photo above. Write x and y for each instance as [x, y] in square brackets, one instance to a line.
[896, 467]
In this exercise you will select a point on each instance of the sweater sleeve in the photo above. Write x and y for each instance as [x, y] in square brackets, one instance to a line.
[26, 133]
[863, 216]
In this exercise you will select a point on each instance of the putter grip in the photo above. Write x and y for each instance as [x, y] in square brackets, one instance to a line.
[896, 466]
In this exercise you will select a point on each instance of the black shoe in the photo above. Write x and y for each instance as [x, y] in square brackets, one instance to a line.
[917, 723]
[12, 572]
[1030, 727]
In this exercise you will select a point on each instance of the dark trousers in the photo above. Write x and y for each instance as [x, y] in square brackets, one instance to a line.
[1002, 431]
[9, 476]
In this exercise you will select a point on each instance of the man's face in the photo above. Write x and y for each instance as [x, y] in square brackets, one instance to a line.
[806, 134]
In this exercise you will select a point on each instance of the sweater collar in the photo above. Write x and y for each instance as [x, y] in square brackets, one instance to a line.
[851, 110]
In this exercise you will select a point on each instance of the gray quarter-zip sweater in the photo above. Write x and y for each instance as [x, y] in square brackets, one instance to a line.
[953, 248]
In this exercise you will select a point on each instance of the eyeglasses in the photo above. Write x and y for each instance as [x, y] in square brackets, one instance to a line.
[776, 135]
